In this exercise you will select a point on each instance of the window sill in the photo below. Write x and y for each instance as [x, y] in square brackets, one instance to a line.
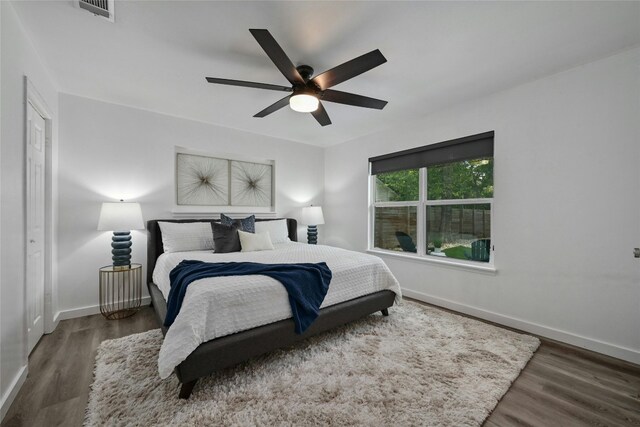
[457, 264]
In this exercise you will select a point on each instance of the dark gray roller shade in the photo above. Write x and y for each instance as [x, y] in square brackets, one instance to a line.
[455, 150]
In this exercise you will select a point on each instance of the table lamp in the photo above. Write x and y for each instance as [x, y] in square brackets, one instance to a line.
[121, 217]
[312, 217]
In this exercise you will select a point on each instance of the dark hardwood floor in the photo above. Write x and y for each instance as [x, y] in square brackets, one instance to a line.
[560, 386]
[61, 369]
[567, 386]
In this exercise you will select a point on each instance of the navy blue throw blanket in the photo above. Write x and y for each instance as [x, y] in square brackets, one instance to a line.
[306, 283]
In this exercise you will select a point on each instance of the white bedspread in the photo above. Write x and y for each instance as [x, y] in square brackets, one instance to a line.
[220, 306]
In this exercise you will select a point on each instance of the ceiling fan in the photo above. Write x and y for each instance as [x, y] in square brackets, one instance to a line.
[307, 92]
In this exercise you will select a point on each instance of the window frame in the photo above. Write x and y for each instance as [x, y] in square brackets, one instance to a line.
[421, 227]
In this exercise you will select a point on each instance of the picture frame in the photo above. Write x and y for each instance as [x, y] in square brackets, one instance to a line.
[226, 183]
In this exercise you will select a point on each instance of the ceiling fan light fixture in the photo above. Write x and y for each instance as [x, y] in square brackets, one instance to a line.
[304, 103]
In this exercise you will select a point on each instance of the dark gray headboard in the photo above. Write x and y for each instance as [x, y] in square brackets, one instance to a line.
[154, 238]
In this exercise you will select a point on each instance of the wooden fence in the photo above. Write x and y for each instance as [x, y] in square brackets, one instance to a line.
[452, 223]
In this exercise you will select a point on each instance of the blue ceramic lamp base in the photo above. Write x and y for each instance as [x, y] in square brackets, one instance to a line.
[121, 244]
[312, 234]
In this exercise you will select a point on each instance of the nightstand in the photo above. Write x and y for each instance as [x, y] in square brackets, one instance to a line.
[120, 290]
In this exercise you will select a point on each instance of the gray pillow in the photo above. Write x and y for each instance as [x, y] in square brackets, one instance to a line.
[225, 238]
[247, 224]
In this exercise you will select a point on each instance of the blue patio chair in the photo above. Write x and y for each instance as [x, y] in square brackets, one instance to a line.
[406, 242]
[480, 250]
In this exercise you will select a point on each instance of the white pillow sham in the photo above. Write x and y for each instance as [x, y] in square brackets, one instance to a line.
[251, 242]
[186, 236]
[277, 230]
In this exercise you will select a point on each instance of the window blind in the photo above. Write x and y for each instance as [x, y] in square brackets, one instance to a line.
[455, 150]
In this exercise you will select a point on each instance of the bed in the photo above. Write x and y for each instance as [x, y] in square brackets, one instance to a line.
[208, 337]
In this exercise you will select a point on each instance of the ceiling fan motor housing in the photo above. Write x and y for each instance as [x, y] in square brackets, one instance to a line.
[309, 88]
[305, 72]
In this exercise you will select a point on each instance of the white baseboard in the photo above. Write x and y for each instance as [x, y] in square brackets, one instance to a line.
[12, 391]
[56, 320]
[87, 311]
[609, 349]
[54, 323]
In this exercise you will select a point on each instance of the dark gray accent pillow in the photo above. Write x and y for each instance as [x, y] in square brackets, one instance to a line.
[247, 224]
[225, 238]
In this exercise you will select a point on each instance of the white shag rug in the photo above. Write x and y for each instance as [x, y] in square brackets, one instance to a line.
[419, 366]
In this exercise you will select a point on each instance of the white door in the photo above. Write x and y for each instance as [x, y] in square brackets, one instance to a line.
[35, 157]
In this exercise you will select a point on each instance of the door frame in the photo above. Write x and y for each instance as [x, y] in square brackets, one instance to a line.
[33, 97]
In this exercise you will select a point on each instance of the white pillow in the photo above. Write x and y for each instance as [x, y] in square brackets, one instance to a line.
[277, 230]
[186, 236]
[251, 242]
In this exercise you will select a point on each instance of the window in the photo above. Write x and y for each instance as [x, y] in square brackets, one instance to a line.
[435, 201]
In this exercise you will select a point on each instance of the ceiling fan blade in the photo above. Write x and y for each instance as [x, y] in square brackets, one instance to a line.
[349, 69]
[352, 99]
[248, 84]
[321, 115]
[277, 55]
[274, 107]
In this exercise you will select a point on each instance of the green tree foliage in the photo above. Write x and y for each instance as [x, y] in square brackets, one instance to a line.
[472, 179]
[398, 186]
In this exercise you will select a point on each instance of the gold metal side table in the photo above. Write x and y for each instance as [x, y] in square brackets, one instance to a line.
[120, 291]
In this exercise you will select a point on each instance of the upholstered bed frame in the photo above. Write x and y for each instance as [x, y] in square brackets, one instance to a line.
[232, 349]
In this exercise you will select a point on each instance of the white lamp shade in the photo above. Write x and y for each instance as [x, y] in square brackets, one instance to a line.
[312, 215]
[304, 103]
[120, 216]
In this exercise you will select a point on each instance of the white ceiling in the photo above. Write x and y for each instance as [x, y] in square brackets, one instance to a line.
[156, 55]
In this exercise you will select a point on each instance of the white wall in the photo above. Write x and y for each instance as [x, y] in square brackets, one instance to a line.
[110, 151]
[19, 58]
[567, 197]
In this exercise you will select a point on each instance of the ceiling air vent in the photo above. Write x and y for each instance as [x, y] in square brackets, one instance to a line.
[102, 8]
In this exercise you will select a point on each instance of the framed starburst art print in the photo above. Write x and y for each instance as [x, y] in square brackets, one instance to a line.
[214, 181]
[202, 180]
[250, 184]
